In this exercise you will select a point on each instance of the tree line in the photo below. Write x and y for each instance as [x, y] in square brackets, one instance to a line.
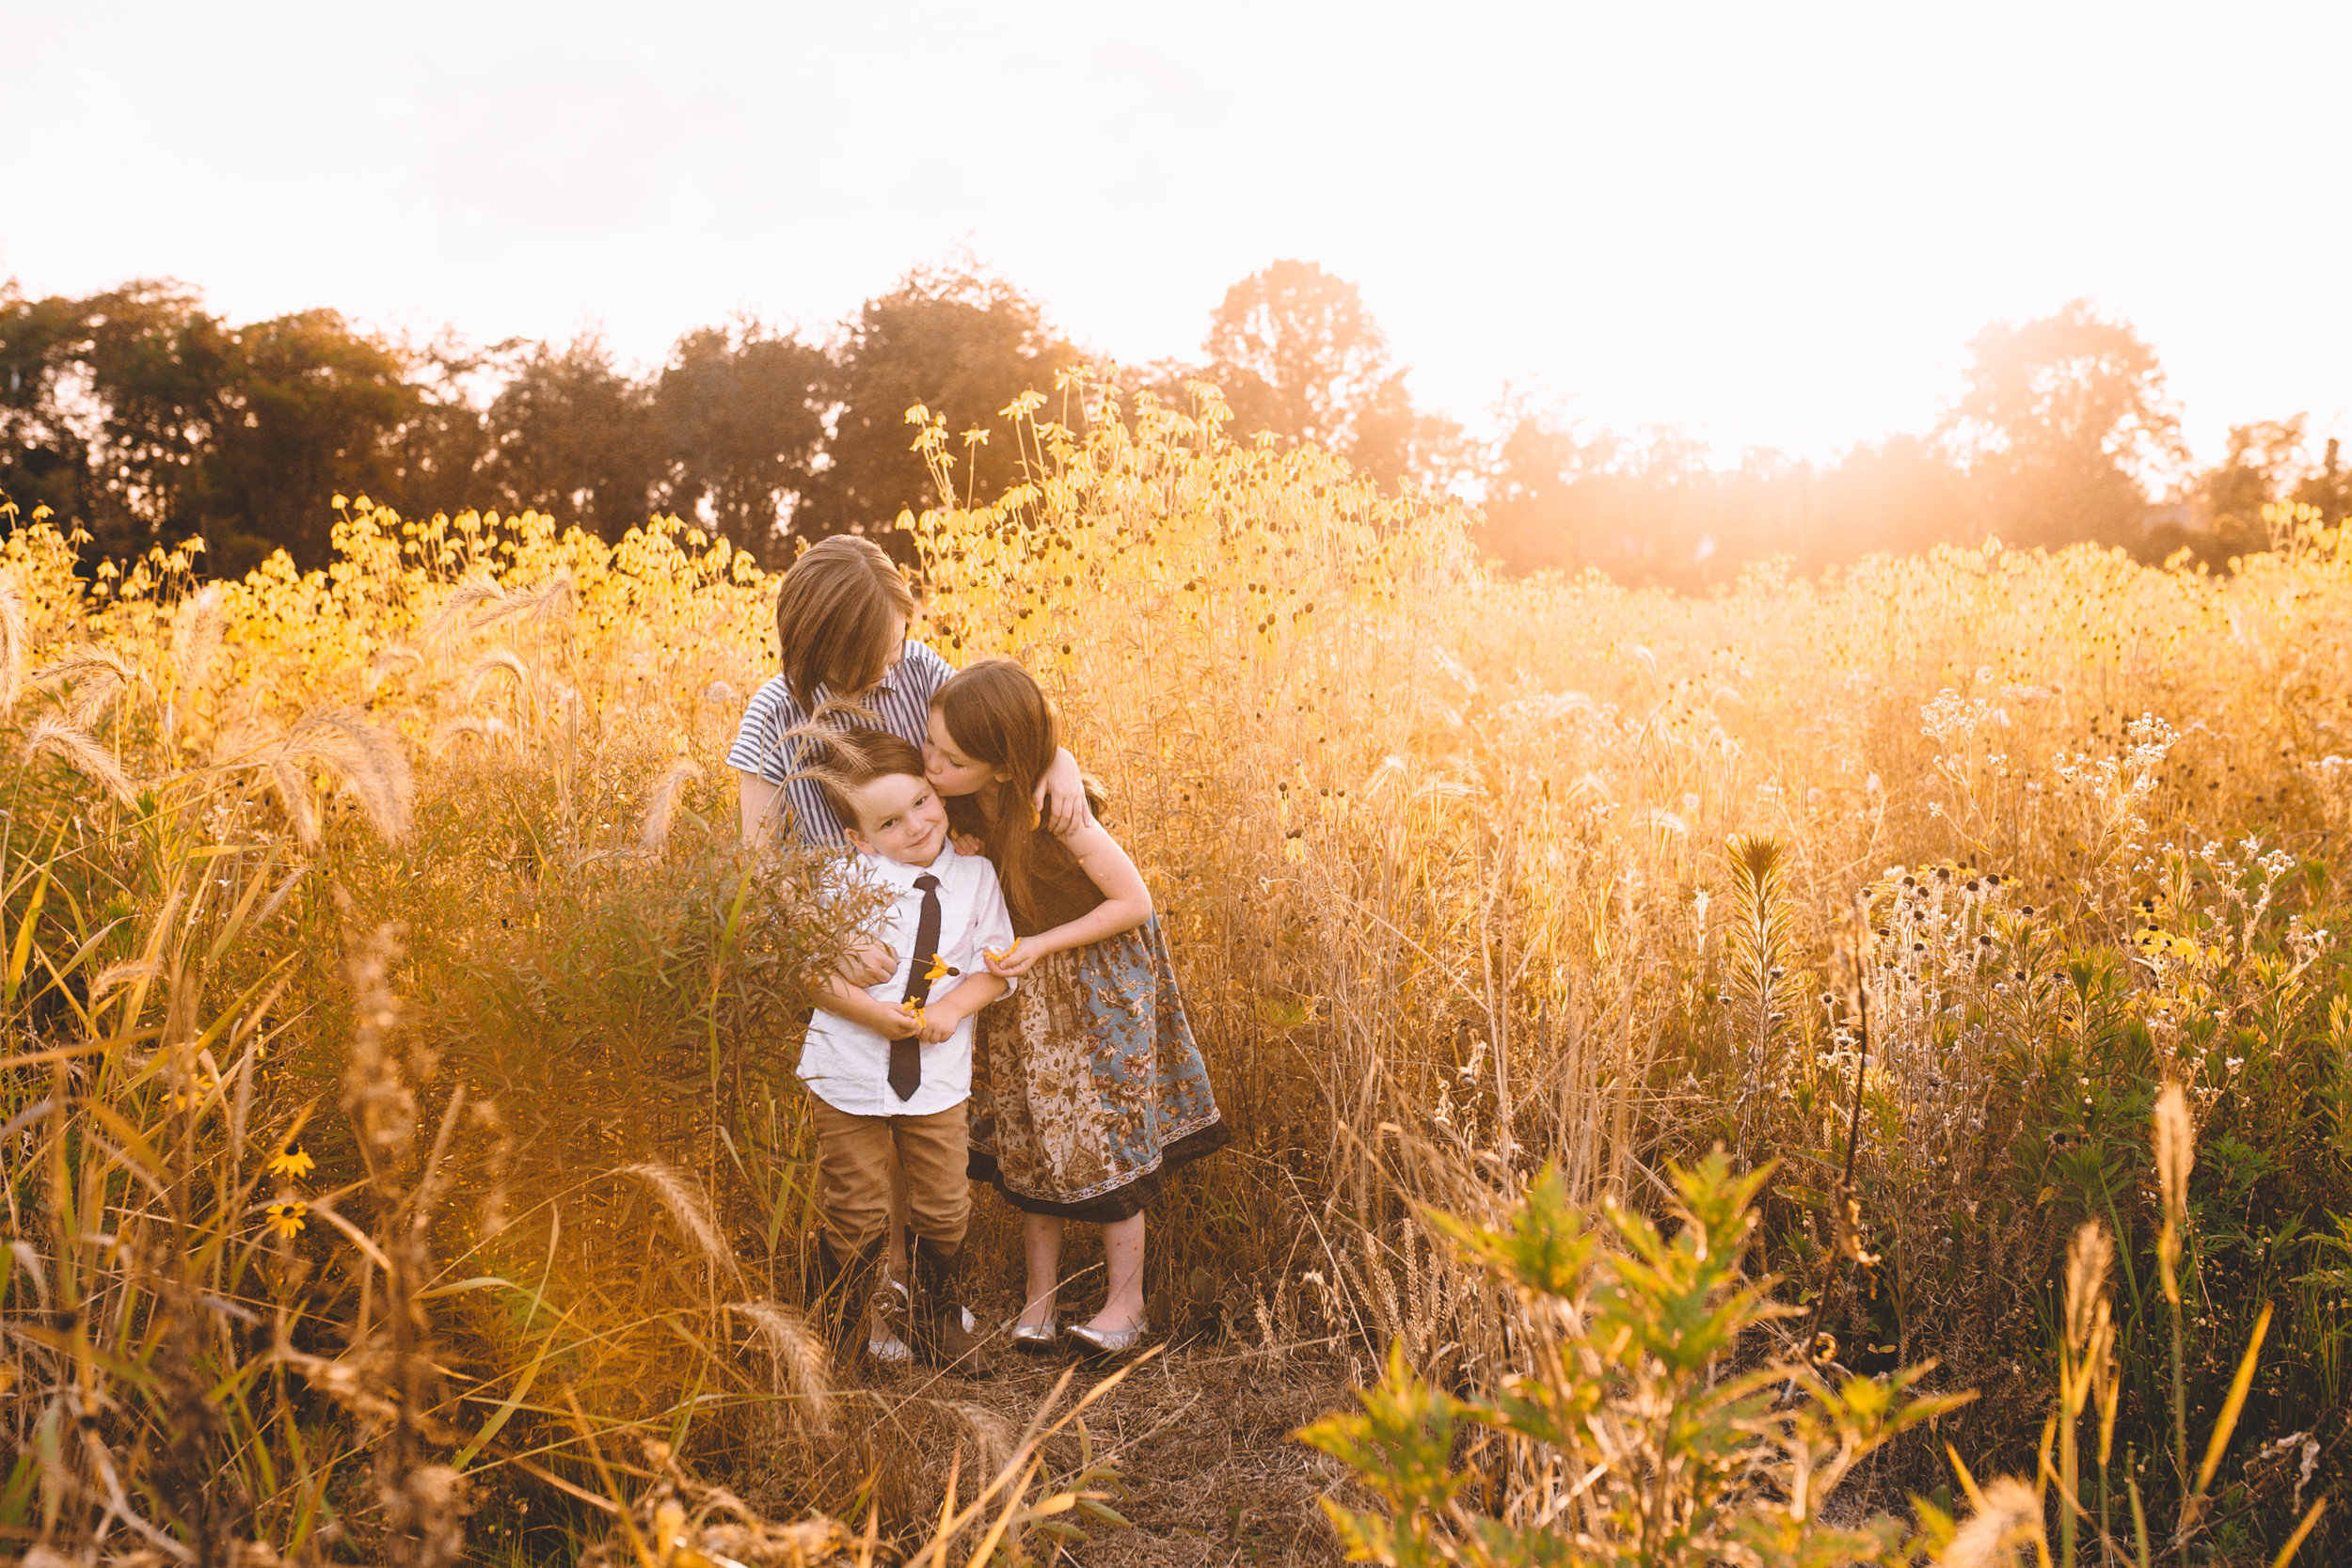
[142, 417]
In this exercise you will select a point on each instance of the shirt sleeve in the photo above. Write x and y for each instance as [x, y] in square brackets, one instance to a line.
[992, 922]
[757, 749]
[926, 671]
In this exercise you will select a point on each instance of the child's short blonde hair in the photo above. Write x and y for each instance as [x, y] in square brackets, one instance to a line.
[834, 616]
[849, 759]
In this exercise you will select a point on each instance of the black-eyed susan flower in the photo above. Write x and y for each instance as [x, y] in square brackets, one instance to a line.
[285, 1216]
[995, 956]
[294, 1163]
[940, 968]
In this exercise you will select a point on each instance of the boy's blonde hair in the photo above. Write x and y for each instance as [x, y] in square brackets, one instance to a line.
[848, 759]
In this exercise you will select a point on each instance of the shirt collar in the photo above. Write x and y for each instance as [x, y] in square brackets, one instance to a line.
[902, 876]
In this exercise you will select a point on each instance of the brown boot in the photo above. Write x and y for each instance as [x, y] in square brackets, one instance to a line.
[843, 1287]
[943, 1331]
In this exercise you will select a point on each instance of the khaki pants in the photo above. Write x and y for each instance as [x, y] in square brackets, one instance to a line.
[853, 1175]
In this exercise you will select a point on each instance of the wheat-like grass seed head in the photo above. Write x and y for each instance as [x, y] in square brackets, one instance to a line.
[2176, 1154]
[691, 1207]
[481, 599]
[56, 738]
[365, 760]
[662, 805]
[196, 628]
[2089, 1257]
[798, 1356]
[2009, 1518]
[15, 640]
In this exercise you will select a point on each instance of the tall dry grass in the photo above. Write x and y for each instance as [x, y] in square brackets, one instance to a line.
[1465, 877]
[1472, 877]
[398, 1152]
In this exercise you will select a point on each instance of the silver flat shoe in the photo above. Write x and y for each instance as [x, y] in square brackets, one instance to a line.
[1033, 1339]
[1095, 1341]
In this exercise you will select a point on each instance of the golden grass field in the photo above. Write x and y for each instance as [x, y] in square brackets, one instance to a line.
[402, 1162]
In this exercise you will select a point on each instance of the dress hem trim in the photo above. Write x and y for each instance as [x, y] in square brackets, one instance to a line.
[1110, 1201]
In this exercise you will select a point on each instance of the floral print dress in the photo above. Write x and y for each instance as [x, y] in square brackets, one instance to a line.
[1088, 1087]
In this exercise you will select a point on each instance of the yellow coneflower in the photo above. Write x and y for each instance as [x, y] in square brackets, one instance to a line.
[940, 968]
[285, 1216]
[292, 1162]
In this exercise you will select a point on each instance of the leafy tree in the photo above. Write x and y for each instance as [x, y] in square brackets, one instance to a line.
[1533, 520]
[1655, 511]
[114, 402]
[570, 435]
[446, 439]
[44, 454]
[305, 406]
[739, 414]
[960, 343]
[1296, 352]
[145, 418]
[2329, 486]
[1643, 511]
[2063, 420]
[2261, 466]
[1899, 494]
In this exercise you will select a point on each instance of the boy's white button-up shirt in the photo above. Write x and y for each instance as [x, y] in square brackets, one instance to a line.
[845, 1063]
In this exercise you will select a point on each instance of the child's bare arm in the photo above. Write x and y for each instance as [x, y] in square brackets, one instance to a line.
[1126, 903]
[971, 994]
[887, 1019]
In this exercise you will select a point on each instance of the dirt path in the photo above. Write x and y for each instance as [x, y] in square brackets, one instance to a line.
[1200, 1436]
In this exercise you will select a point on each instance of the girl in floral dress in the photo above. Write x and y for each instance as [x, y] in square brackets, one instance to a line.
[1088, 1088]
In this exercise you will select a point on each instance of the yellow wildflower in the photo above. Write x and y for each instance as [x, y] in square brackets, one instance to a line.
[285, 1217]
[292, 1163]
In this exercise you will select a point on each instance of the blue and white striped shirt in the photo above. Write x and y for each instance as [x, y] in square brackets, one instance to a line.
[902, 702]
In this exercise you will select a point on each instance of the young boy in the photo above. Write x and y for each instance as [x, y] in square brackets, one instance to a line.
[890, 1066]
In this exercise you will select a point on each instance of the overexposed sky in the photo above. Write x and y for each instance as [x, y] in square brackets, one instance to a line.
[1774, 225]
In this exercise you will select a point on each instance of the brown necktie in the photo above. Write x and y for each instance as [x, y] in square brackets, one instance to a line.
[906, 1056]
